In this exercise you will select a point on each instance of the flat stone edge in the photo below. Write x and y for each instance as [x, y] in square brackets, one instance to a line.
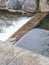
[11, 54]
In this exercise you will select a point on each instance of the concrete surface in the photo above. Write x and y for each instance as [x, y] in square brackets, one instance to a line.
[11, 55]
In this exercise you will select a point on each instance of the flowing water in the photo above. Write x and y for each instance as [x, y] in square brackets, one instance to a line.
[10, 23]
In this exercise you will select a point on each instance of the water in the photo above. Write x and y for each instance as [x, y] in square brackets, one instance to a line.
[10, 23]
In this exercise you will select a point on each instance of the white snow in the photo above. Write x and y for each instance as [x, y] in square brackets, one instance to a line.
[37, 40]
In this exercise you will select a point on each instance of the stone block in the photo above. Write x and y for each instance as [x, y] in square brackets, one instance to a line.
[30, 6]
[13, 4]
[44, 5]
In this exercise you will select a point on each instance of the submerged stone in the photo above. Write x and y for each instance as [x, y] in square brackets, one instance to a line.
[30, 5]
[13, 4]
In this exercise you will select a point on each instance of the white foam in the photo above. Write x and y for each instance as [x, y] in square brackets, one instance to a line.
[13, 28]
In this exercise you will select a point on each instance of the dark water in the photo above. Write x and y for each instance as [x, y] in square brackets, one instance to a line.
[44, 23]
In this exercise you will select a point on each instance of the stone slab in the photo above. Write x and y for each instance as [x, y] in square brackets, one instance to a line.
[7, 53]
[12, 55]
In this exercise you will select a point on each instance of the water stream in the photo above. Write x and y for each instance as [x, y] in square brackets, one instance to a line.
[10, 23]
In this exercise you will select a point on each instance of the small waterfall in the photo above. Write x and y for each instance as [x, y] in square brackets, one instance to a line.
[9, 25]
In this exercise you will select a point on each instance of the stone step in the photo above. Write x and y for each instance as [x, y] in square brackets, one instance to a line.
[12, 55]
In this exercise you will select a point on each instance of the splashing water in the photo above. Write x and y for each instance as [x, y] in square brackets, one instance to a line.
[9, 24]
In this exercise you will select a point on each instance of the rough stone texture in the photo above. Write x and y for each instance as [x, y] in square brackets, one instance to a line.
[13, 4]
[22, 1]
[24, 5]
[44, 6]
[2, 3]
[28, 58]
[25, 58]
[30, 5]
[12, 55]
[8, 52]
